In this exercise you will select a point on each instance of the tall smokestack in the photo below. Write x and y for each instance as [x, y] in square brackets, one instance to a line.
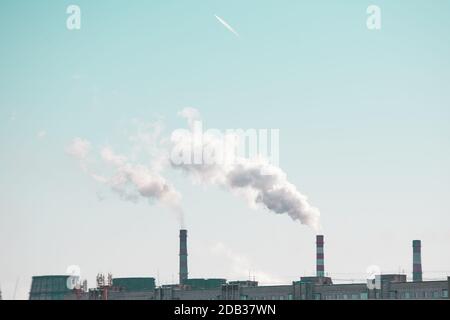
[417, 260]
[183, 256]
[320, 265]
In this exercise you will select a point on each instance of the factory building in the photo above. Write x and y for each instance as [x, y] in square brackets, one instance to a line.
[50, 288]
[318, 287]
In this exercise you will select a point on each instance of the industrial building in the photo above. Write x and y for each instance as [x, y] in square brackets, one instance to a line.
[319, 287]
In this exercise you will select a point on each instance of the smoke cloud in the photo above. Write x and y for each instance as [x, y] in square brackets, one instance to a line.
[240, 266]
[260, 182]
[130, 181]
[79, 148]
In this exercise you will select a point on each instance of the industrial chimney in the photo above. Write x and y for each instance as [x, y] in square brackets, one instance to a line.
[320, 265]
[417, 261]
[183, 257]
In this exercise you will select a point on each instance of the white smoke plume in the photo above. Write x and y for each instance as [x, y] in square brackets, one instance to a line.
[239, 266]
[191, 115]
[260, 182]
[130, 181]
[79, 148]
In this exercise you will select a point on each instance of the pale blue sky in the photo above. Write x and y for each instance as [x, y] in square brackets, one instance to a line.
[363, 118]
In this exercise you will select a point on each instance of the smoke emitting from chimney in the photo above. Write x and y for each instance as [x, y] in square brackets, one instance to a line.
[183, 256]
[417, 260]
[320, 262]
[260, 182]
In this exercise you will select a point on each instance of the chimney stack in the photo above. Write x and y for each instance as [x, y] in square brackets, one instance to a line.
[417, 261]
[320, 265]
[183, 257]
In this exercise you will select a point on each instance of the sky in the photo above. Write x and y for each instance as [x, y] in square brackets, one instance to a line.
[363, 118]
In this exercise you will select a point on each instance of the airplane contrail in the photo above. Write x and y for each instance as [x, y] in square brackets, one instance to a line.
[226, 25]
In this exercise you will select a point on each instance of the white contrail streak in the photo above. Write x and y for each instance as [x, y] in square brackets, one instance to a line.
[226, 25]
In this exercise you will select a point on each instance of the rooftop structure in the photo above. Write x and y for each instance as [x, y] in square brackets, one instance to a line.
[318, 287]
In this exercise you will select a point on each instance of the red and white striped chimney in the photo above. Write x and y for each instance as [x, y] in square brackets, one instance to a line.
[417, 260]
[320, 264]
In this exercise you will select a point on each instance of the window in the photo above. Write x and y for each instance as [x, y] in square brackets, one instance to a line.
[435, 294]
[345, 296]
[355, 296]
[281, 297]
[444, 293]
[290, 297]
[364, 296]
[407, 295]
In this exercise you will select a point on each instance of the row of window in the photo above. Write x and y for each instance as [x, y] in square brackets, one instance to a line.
[47, 297]
[344, 296]
[436, 294]
[280, 297]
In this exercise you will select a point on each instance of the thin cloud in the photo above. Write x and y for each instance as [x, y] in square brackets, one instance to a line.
[79, 148]
[226, 25]
[41, 134]
[240, 266]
